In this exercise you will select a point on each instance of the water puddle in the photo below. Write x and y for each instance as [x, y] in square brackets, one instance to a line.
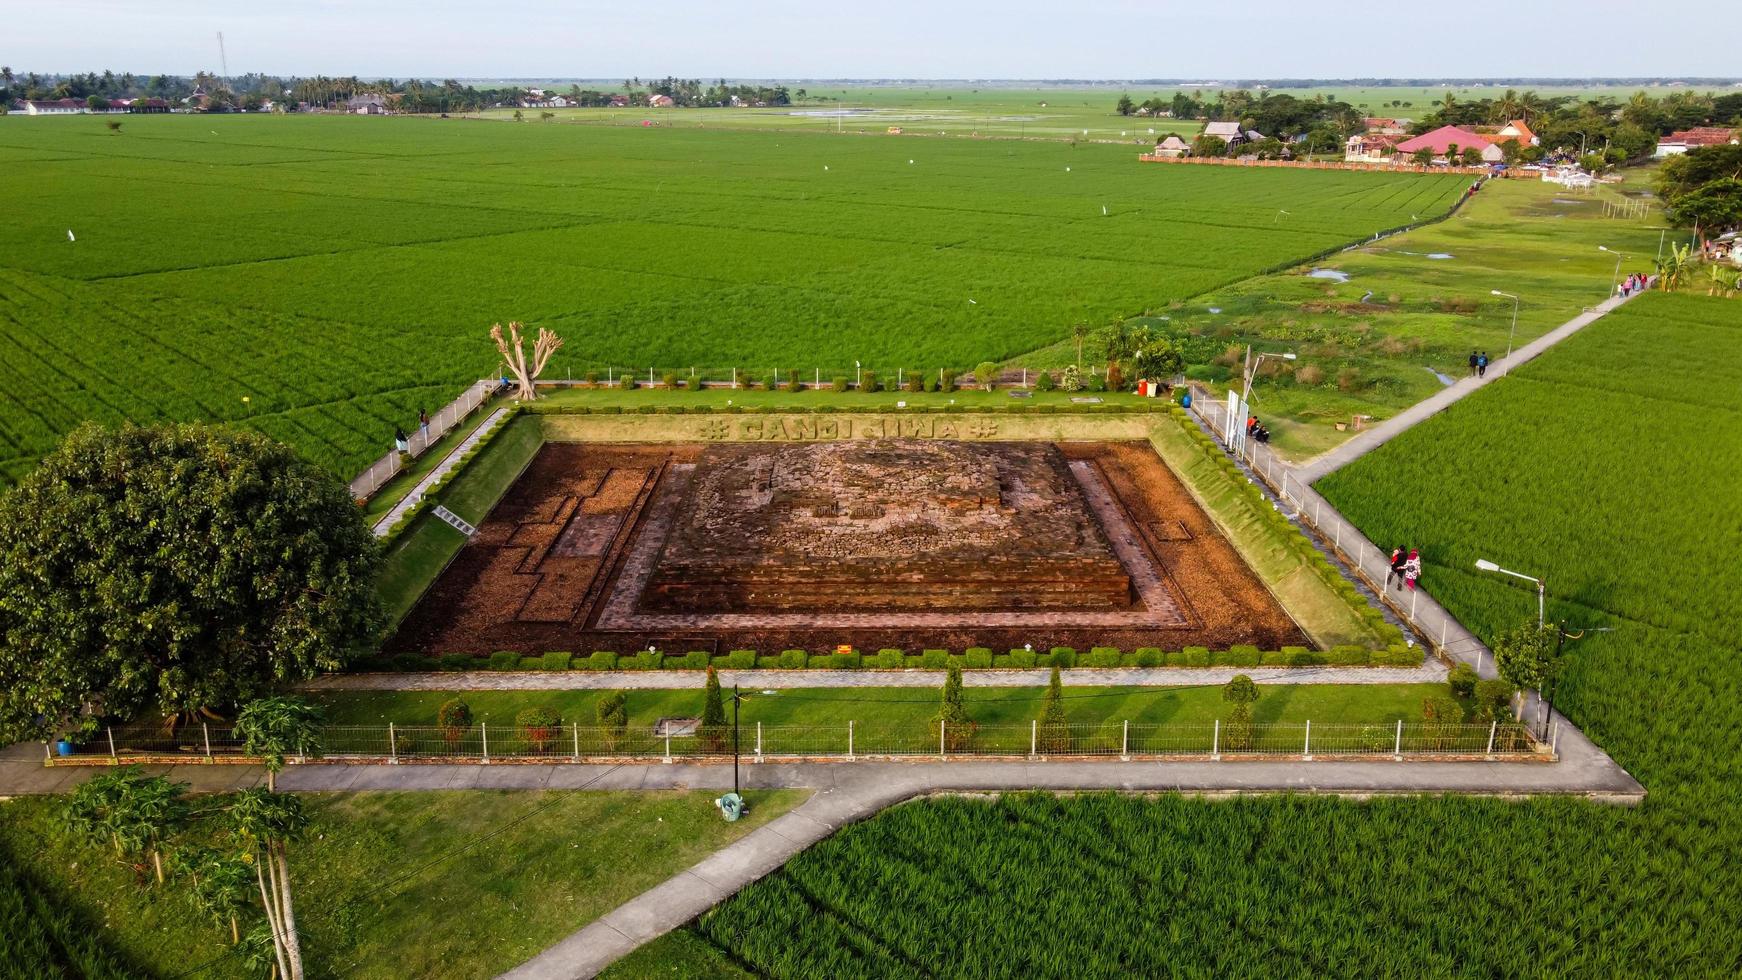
[1445, 379]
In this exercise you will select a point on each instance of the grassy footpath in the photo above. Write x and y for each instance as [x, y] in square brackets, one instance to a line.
[1371, 345]
[386, 885]
[893, 706]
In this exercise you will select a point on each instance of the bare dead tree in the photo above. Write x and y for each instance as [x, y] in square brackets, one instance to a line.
[514, 353]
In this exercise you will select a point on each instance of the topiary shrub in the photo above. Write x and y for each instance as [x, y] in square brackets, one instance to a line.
[793, 659]
[645, 660]
[1493, 700]
[1001, 661]
[600, 660]
[934, 659]
[613, 715]
[978, 658]
[556, 660]
[889, 659]
[741, 659]
[693, 660]
[538, 728]
[1196, 656]
[1104, 657]
[839, 382]
[504, 660]
[1241, 694]
[868, 381]
[1149, 657]
[1023, 658]
[1240, 655]
[456, 661]
[849, 660]
[454, 718]
[1043, 381]
[1462, 680]
[1062, 657]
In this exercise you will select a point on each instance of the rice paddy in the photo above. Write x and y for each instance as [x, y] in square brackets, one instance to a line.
[322, 278]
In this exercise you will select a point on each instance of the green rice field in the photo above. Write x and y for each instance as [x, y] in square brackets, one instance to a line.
[1609, 467]
[320, 279]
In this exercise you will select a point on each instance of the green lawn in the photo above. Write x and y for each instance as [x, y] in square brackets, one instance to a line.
[896, 706]
[391, 885]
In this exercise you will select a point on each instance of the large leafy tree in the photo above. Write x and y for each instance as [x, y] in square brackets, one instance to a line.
[189, 566]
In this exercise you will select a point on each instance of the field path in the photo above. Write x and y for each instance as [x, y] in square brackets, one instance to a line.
[446, 466]
[1330, 461]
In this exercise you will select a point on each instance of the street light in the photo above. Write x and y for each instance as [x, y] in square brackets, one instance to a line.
[1616, 285]
[1250, 366]
[1562, 634]
[1514, 332]
[1485, 565]
[738, 696]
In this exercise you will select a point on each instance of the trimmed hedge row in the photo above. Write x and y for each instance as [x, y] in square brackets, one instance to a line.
[1133, 407]
[974, 658]
[433, 495]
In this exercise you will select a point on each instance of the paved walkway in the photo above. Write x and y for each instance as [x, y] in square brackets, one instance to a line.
[1431, 671]
[1371, 439]
[446, 466]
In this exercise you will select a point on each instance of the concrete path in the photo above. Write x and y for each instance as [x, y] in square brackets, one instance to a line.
[849, 793]
[446, 466]
[1430, 672]
[1371, 439]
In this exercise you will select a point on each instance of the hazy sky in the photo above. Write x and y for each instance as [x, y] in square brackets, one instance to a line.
[1210, 39]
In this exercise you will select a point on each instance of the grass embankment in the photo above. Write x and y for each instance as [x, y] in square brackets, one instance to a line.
[424, 547]
[389, 885]
[906, 706]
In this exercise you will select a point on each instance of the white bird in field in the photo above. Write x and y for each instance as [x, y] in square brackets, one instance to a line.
[825, 166]
[1067, 170]
[976, 303]
[70, 237]
[1103, 210]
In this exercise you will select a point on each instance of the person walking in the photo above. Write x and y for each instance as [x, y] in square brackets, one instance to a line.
[1472, 364]
[423, 423]
[400, 442]
[1412, 569]
[1398, 561]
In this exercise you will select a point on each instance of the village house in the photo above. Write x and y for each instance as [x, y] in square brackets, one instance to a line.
[366, 104]
[1371, 147]
[1693, 139]
[153, 104]
[1172, 146]
[1517, 131]
[52, 107]
[1227, 132]
[1383, 126]
[619, 101]
[1441, 140]
[657, 101]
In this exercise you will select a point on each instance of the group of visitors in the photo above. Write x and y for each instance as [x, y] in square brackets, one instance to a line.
[402, 442]
[1405, 568]
[1478, 364]
[1256, 430]
[1635, 282]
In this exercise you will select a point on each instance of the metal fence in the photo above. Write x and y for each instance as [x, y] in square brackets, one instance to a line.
[419, 439]
[1369, 562]
[848, 740]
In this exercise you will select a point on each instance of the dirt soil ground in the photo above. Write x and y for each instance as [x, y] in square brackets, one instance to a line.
[564, 559]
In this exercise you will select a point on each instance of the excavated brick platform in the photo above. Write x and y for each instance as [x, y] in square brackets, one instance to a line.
[903, 543]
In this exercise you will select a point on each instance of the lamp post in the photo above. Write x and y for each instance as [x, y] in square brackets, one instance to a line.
[1485, 565]
[1250, 366]
[1514, 332]
[1616, 284]
[738, 696]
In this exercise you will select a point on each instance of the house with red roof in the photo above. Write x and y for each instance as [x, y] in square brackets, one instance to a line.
[1693, 139]
[1370, 147]
[1441, 141]
[1518, 131]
